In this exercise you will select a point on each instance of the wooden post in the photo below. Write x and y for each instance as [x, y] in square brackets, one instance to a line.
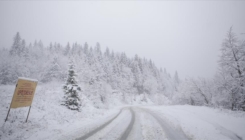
[7, 115]
[28, 113]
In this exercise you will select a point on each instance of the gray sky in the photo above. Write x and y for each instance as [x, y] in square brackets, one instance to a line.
[177, 35]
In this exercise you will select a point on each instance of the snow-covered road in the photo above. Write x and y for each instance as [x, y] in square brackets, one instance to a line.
[136, 123]
[169, 123]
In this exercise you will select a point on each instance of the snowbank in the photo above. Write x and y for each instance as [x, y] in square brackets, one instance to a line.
[204, 123]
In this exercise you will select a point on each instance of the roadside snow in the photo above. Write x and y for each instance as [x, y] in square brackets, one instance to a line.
[48, 119]
[204, 123]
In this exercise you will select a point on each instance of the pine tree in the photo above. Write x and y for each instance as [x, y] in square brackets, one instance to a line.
[176, 78]
[16, 47]
[53, 72]
[40, 45]
[67, 49]
[22, 47]
[72, 90]
[86, 51]
[107, 52]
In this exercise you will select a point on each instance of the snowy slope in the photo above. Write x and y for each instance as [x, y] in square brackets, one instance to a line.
[48, 119]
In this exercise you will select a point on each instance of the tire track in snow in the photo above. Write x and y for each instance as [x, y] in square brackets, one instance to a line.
[151, 129]
[170, 132]
[98, 129]
[136, 131]
[130, 126]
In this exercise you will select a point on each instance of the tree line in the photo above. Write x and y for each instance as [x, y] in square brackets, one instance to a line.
[102, 75]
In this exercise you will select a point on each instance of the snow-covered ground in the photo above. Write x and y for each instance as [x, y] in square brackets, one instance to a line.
[204, 123]
[174, 123]
[50, 120]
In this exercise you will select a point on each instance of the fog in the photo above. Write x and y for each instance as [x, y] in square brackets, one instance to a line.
[181, 35]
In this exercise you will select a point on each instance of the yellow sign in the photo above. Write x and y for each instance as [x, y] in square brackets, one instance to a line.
[24, 92]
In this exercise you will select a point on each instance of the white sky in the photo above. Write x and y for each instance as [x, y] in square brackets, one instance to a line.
[177, 35]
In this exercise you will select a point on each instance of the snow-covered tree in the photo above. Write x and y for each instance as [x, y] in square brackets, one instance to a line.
[72, 90]
[17, 45]
[232, 63]
[86, 49]
[67, 49]
[53, 71]
[227, 88]
[194, 92]
[176, 77]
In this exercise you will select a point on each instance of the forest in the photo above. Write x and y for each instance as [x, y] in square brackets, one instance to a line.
[103, 74]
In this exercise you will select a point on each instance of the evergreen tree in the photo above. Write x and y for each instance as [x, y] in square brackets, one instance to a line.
[53, 72]
[16, 47]
[74, 49]
[67, 49]
[72, 90]
[86, 51]
[176, 77]
[107, 52]
[51, 48]
[40, 44]
[98, 48]
[23, 48]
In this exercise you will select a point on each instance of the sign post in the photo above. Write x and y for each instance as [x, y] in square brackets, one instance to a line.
[23, 94]
[28, 114]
